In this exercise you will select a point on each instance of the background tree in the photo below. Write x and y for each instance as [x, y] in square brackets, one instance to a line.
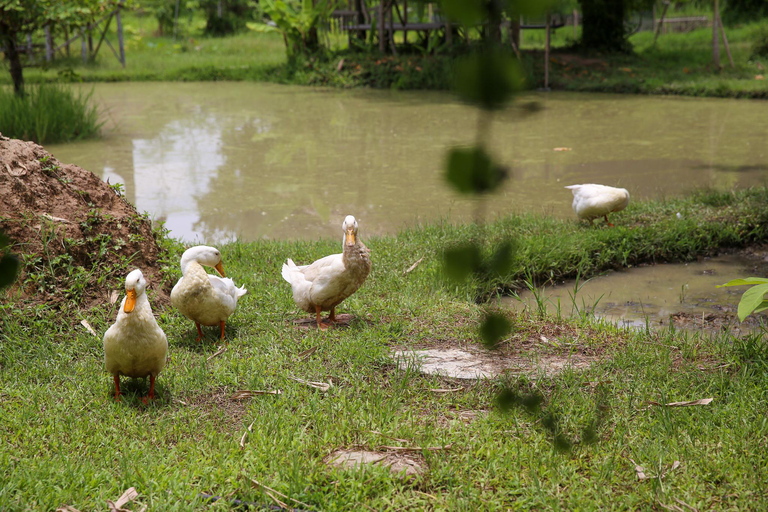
[225, 17]
[20, 17]
[603, 23]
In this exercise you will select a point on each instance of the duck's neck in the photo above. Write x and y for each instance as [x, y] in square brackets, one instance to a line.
[186, 261]
[355, 256]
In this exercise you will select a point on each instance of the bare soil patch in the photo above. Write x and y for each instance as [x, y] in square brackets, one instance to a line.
[408, 465]
[219, 403]
[77, 236]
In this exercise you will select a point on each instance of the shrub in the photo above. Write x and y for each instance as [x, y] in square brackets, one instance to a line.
[760, 45]
[48, 113]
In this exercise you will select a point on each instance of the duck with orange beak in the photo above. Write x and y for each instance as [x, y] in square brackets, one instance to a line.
[322, 285]
[135, 346]
[203, 298]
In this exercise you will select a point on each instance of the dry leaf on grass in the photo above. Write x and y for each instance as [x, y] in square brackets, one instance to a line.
[703, 401]
[66, 508]
[686, 505]
[244, 393]
[301, 356]
[114, 296]
[639, 470]
[242, 439]
[562, 149]
[322, 386]
[88, 327]
[413, 267]
[128, 496]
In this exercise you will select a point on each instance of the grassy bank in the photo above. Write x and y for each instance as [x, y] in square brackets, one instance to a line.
[680, 63]
[65, 441]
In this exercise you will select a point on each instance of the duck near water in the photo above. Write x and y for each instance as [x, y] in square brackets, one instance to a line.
[322, 285]
[205, 299]
[135, 346]
[591, 201]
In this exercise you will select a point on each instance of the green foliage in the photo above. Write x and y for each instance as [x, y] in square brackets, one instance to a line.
[48, 113]
[744, 10]
[752, 301]
[298, 21]
[9, 264]
[224, 17]
[760, 44]
[471, 171]
[489, 78]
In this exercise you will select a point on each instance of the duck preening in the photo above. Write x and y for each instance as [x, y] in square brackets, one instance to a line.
[591, 201]
[203, 298]
[322, 285]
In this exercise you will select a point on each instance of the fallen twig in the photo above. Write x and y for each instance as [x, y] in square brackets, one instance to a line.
[244, 393]
[266, 488]
[413, 267]
[221, 350]
[703, 401]
[388, 437]
[417, 448]
[639, 470]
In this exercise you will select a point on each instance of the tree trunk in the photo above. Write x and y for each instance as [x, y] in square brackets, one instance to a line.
[716, 36]
[603, 25]
[14, 63]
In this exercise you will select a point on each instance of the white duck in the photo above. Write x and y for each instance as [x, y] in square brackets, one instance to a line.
[322, 285]
[135, 346]
[591, 201]
[203, 298]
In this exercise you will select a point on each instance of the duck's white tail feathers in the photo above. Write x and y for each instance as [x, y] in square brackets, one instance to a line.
[239, 292]
[289, 268]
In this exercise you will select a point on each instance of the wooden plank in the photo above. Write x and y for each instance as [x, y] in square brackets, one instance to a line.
[120, 33]
[103, 34]
[725, 41]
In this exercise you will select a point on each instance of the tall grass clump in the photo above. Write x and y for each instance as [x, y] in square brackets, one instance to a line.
[48, 113]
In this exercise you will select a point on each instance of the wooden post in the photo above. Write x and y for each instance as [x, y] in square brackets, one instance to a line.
[30, 50]
[405, 22]
[520, 35]
[120, 33]
[546, 56]
[83, 46]
[66, 38]
[715, 35]
[391, 36]
[661, 22]
[514, 34]
[725, 42]
[382, 42]
[48, 44]
[575, 23]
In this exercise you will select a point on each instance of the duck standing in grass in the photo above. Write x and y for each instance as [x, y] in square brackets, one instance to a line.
[591, 201]
[135, 346]
[322, 285]
[203, 298]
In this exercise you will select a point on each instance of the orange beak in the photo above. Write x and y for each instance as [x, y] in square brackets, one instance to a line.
[130, 300]
[220, 269]
[350, 238]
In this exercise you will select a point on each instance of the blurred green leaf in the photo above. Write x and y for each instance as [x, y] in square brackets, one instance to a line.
[461, 261]
[467, 12]
[508, 399]
[501, 260]
[494, 327]
[471, 171]
[489, 78]
[530, 8]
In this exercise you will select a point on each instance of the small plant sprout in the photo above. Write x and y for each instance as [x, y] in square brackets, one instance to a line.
[753, 300]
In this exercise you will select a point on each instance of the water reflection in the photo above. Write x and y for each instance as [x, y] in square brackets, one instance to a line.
[219, 161]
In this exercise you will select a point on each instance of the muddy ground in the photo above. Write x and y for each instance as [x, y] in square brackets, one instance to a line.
[77, 237]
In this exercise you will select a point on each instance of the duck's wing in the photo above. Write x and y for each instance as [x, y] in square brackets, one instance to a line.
[323, 268]
[226, 287]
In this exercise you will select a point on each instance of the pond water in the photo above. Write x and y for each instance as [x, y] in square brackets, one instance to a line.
[218, 161]
[684, 294]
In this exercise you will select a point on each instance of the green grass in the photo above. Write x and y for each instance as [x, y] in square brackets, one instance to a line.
[63, 439]
[48, 113]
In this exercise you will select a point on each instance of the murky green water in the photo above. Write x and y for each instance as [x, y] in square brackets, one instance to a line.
[219, 161]
[684, 294]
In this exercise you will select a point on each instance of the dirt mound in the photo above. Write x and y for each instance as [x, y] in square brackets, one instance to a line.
[78, 238]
